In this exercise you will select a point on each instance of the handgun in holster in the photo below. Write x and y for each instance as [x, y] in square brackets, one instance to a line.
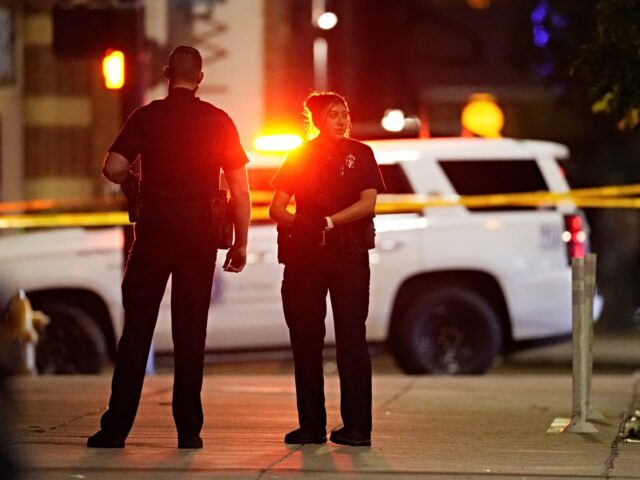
[222, 219]
[131, 189]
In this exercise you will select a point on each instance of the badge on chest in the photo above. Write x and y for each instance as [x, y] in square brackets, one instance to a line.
[349, 164]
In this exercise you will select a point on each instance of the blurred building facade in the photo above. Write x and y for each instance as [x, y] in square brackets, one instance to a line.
[424, 57]
[56, 117]
[11, 101]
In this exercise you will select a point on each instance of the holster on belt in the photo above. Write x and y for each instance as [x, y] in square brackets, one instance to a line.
[222, 219]
[131, 189]
[356, 236]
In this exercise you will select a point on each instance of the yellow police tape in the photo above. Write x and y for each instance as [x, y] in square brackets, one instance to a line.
[61, 204]
[85, 219]
[599, 197]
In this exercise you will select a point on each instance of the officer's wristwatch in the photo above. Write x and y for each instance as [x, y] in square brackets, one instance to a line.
[329, 224]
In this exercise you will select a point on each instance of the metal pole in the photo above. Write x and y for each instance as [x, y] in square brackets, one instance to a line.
[320, 63]
[318, 7]
[590, 292]
[581, 346]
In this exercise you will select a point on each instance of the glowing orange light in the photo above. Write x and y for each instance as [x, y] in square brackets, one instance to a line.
[277, 143]
[482, 116]
[113, 69]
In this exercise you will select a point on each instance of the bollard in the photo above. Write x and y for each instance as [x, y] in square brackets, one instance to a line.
[582, 328]
[590, 293]
[19, 336]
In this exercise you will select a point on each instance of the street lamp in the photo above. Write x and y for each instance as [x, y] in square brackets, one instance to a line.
[324, 20]
[327, 20]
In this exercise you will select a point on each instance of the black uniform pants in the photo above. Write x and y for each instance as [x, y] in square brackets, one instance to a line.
[304, 291]
[183, 246]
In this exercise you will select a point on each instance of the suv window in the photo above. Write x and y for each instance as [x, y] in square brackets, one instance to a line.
[485, 177]
[395, 179]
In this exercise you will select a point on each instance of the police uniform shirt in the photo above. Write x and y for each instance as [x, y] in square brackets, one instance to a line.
[182, 143]
[326, 177]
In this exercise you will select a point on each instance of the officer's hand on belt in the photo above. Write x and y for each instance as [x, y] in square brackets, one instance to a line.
[236, 259]
[308, 222]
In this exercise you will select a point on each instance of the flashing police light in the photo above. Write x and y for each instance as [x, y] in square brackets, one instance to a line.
[113, 69]
[277, 143]
[482, 116]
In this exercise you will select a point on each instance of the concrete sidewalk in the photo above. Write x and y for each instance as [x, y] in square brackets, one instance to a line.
[424, 427]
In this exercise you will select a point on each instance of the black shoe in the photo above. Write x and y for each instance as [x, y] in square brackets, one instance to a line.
[102, 440]
[190, 442]
[303, 437]
[354, 438]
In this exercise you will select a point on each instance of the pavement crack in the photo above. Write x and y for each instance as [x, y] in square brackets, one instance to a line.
[67, 422]
[97, 411]
[402, 391]
[620, 435]
[613, 451]
[279, 460]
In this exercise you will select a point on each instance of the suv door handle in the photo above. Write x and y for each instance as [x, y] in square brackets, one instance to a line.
[390, 245]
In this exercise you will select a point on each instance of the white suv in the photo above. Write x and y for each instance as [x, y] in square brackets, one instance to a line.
[451, 287]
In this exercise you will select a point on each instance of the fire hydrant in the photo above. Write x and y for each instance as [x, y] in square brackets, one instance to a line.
[631, 428]
[19, 335]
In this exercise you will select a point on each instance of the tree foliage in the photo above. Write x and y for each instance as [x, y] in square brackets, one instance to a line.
[609, 63]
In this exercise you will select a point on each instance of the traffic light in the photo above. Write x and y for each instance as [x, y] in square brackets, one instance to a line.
[113, 69]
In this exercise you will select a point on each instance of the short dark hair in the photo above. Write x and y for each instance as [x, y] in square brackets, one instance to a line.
[185, 63]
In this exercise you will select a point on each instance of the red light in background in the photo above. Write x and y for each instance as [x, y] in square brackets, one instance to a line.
[574, 236]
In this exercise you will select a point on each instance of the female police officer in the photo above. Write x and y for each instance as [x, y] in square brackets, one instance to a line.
[324, 247]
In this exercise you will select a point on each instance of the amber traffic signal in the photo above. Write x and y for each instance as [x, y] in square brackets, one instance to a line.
[113, 69]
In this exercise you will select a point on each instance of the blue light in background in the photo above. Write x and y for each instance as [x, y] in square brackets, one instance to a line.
[538, 13]
[540, 36]
[558, 20]
[546, 25]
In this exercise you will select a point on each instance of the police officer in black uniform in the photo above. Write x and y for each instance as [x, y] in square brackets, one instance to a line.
[181, 143]
[324, 246]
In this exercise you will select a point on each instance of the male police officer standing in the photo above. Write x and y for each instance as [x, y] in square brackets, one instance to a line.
[181, 143]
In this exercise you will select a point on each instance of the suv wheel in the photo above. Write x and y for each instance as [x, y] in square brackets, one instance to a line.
[71, 343]
[448, 331]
